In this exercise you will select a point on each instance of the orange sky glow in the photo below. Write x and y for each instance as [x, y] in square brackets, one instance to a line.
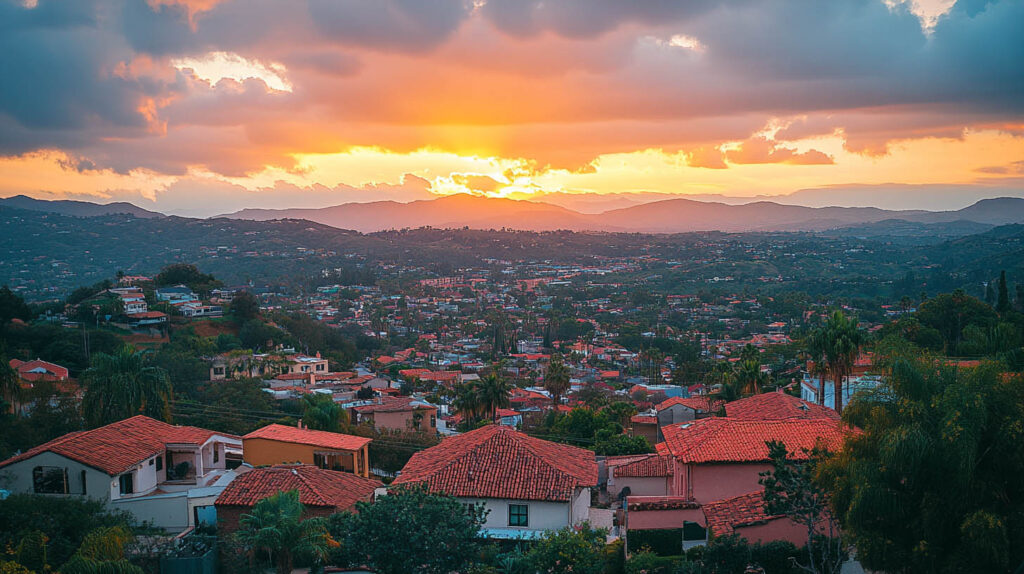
[175, 105]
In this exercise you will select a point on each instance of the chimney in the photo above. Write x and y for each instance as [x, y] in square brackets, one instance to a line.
[300, 425]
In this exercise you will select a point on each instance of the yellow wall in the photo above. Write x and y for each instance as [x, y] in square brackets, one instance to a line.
[264, 452]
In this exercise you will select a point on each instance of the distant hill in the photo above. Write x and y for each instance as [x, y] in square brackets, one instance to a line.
[678, 215]
[452, 211]
[76, 208]
[668, 216]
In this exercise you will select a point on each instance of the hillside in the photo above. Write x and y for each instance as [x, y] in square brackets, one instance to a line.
[76, 208]
[668, 216]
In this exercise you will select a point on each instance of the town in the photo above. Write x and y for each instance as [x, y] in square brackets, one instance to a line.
[525, 408]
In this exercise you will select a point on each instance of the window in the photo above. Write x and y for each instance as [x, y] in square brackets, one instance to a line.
[159, 463]
[127, 483]
[218, 370]
[84, 489]
[216, 454]
[50, 480]
[320, 460]
[518, 515]
[433, 421]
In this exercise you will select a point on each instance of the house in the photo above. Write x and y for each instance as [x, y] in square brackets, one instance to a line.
[196, 310]
[745, 515]
[720, 457]
[34, 372]
[163, 474]
[176, 294]
[644, 425]
[777, 405]
[509, 418]
[677, 410]
[321, 492]
[528, 485]
[280, 444]
[715, 463]
[639, 475]
[38, 370]
[398, 413]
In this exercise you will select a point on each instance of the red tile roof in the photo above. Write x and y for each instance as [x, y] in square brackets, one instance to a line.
[767, 406]
[391, 405]
[652, 466]
[323, 439]
[119, 446]
[722, 439]
[38, 370]
[701, 403]
[644, 419]
[499, 462]
[316, 486]
[660, 503]
[724, 516]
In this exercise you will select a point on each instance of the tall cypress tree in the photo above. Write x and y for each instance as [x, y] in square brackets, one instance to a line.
[1003, 302]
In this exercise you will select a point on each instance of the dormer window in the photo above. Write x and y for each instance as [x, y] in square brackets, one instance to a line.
[126, 483]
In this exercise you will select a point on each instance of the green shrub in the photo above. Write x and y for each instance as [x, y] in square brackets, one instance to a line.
[647, 562]
[663, 542]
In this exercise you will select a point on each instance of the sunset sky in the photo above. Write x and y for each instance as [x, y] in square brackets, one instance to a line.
[201, 107]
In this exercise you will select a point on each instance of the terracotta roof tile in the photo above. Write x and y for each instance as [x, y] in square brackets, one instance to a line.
[651, 466]
[723, 439]
[324, 439]
[724, 516]
[767, 406]
[660, 503]
[700, 403]
[117, 447]
[500, 462]
[391, 405]
[316, 486]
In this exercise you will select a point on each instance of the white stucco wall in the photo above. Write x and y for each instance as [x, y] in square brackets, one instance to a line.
[640, 486]
[17, 477]
[580, 506]
[542, 515]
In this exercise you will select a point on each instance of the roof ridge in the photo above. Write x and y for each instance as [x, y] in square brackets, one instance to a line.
[304, 480]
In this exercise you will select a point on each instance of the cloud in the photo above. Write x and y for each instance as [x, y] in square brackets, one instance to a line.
[760, 149]
[556, 82]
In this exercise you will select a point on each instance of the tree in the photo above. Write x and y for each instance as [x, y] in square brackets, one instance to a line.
[1003, 299]
[467, 402]
[10, 386]
[186, 274]
[122, 385]
[839, 342]
[245, 306]
[31, 552]
[570, 549]
[556, 379]
[951, 313]
[276, 526]
[494, 393]
[413, 530]
[749, 377]
[931, 484]
[12, 306]
[790, 490]
[320, 412]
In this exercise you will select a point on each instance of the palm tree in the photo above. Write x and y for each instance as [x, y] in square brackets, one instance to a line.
[467, 402]
[275, 525]
[122, 385]
[556, 379]
[320, 412]
[815, 347]
[10, 386]
[840, 343]
[749, 377]
[494, 393]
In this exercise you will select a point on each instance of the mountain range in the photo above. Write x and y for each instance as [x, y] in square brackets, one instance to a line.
[667, 216]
